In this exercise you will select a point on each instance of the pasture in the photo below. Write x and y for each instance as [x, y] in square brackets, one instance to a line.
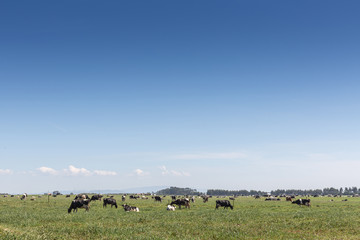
[250, 219]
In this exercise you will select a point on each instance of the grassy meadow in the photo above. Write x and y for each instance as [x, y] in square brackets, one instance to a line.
[250, 219]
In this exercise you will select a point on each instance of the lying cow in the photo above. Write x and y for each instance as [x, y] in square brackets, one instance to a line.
[79, 203]
[223, 203]
[170, 208]
[305, 202]
[179, 202]
[128, 208]
[110, 201]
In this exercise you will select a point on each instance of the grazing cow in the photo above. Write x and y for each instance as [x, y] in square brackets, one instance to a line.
[223, 203]
[123, 198]
[96, 197]
[232, 198]
[81, 196]
[173, 197]
[179, 202]
[23, 197]
[110, 201]
[79, 203]
[128, 208]
[158, 199]
[205, 198]
[133, 197]
[288, 199]
[170, 208]
[305, 202]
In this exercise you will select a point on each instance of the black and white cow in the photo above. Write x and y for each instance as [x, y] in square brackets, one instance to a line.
[305, 202]
[128, 208]
[96, 197]
[157, 199]
[81, 196]
[181, 202]
[79, 203]
[110, 201]
[223, 203]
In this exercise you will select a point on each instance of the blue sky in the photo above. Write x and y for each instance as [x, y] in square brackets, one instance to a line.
[202, 94]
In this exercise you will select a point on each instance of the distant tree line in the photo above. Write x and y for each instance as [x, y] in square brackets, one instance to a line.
[178, 191]
[221, 192]
[325, 191]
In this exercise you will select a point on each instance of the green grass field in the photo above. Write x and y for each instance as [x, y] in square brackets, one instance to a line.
[250, 219]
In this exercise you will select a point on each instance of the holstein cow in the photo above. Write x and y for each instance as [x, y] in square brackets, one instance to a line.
[110, 201]
[179, 202]
[223, 203]
[23, 197]
[170, 208]
[96, 197]
[128, 208]
[79, 203]
[81, 196]
[158, 199]
[305, 202]
[123, 198]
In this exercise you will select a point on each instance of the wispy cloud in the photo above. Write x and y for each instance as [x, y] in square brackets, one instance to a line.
[104, 173]
[165, 171]
[75, 171]
[5, 171]
[201, 156]
[140, 173]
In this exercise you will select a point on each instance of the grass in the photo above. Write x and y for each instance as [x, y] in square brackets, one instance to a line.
[250, 219]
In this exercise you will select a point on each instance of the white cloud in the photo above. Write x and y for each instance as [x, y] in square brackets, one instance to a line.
[138, 172]
[48, 170]
[104, 173]
[74, 171]
[165, 171]
[200, 156]
[5, 171]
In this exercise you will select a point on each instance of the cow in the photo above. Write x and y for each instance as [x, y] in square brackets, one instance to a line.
[23, 197]
[170, 208]
[272, 199]
[110, 201]
[81, 196]
[79, 203]
[205, 198]
[133, 197]
[179, 202]
[128, 208]
[288, 199]
[123, 198]
[96, 197]
[158, 199]
[173, 198]
[223, 203]
[305, 202]
[193, 199]
[68, 195]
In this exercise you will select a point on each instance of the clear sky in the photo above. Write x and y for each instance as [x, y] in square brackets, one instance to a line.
[202, 94]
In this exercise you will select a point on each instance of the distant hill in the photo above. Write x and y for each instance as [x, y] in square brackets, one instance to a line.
[178, 191]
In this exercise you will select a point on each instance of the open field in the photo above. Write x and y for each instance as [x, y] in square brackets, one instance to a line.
[250, 219]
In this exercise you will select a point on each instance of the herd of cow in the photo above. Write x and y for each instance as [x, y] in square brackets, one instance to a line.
[83, 201]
